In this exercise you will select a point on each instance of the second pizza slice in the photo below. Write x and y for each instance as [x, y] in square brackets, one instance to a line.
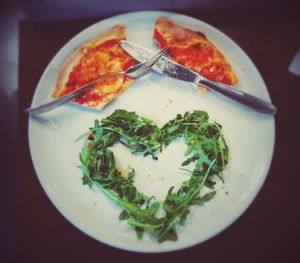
[193, 50]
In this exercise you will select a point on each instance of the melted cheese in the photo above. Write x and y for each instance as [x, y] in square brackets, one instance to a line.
[193, 50]
[97, 61]
[97, 57]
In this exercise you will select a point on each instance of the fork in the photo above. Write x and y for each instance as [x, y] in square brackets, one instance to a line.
[136, 71]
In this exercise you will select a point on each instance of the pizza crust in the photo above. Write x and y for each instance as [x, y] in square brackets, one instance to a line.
[175, 34]
[116, 32]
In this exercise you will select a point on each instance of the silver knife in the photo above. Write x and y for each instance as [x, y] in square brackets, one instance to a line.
[177, 71]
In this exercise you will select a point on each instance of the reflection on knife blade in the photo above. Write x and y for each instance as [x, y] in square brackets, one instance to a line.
[164, 65]
[178, 71]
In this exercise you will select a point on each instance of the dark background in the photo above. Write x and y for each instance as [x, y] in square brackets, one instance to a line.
[31, 228]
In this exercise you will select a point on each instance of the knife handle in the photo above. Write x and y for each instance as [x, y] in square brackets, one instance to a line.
[248, 100]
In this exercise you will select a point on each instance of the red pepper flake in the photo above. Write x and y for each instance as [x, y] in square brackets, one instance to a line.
[91, 137]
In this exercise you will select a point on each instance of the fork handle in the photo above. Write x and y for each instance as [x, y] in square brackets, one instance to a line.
[61, 100]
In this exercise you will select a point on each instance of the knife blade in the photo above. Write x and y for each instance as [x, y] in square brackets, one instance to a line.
[177, 71]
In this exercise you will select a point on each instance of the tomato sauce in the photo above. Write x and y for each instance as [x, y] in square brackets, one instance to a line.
[216, 72]
[197, 55]
[159, 38]
[97, 61]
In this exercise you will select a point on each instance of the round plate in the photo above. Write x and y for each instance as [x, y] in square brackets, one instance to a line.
[249, 135]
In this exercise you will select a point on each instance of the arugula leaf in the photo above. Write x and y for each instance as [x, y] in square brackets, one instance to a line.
[206, 150]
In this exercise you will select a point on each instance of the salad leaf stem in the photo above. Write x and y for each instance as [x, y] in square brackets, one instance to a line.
[206, 151]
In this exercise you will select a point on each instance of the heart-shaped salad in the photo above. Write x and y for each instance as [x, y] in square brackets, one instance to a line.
[206, 151]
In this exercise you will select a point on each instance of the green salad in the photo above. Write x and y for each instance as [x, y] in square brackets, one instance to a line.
[206, 151]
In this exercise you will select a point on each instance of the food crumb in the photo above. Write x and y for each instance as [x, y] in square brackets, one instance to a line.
[160, 199]
[169, 102]
[155, 176]
[55, 124]
[85, 209]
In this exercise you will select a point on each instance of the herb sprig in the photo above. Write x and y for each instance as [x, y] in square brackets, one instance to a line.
[206, 149]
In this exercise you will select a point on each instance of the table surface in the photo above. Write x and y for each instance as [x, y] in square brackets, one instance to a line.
[267, 231]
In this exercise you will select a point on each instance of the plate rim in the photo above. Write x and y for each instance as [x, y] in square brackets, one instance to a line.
[154, 13]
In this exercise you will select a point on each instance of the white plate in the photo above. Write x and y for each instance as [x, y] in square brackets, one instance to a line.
[250, 137]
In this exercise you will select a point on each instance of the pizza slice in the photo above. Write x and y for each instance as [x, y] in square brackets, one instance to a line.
[194, 51]
[98, 56]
